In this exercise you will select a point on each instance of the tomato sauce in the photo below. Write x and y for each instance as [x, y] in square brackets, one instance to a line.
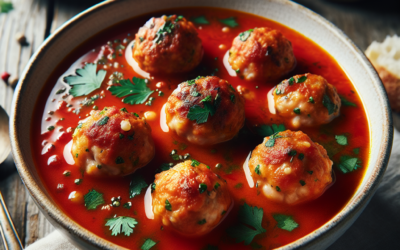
[310, 58]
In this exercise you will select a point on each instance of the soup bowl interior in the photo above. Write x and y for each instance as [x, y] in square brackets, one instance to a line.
[105, 15]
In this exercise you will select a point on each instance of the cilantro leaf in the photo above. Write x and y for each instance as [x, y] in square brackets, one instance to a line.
[136, 186]
[164, 30]
[248, 217]
[266, 130]
[326, 101]
[271, 140]
[230, 21]
[285, 222]
[341, 140]
[121, 224]
[136, 92]
[349, 164]
[301, 79]
[86, 80]
[149, 243]
[244, 35]
[198, 113]
[5, 7]
[93, 199]
[345, 102]
[200, 20]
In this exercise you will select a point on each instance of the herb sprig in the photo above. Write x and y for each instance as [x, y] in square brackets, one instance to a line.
[135, 92]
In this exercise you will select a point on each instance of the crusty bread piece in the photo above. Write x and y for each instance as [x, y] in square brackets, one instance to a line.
[385, 57]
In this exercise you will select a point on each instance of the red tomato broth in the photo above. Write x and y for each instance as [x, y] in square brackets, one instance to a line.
[310, 216]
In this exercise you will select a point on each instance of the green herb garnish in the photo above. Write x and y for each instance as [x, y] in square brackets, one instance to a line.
[102, 121]
[244, 35]
[200, 20]
[285, 222]
[230, 21]
[345, 102]
[134, 93]
[341, 140]
[301, 79]
[136, 185]
[349, 164]
[271, 140]
[121, 224]
[202, 188]
[86, 80]
[296, 110]
[168, 205]
[202, 222]
[326, 101]
[266, 130]
[164, 30]
[93, 199]
[5, 7]
[257, 170]
[311, 99]
[194, 163]
[249, 226]
[149, 243]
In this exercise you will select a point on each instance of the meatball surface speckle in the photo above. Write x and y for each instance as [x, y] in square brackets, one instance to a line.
[112, 142]
[290, 168]
[261, 54]
[190, 198]
[167, 45]
[309, 100]
[205, 111]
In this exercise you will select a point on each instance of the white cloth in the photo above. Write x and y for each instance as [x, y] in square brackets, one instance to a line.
[378, 227]
[53, 241]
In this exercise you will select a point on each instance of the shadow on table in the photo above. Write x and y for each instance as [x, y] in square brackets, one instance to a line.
[7, 168]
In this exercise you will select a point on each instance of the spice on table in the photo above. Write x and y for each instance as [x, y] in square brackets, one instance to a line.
[5, 76]
[21, 38]
[13, 81]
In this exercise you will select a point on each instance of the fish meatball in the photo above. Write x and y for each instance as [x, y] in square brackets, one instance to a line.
[168, 44]
[261, 54]
[290, 168]
[190, 198]
[308, 100]
[205, 111]
[112, 142]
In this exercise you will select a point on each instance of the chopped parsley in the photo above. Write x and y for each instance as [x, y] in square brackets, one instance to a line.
[326, 101]
[230, 21]
[345, 102]
[93, 199]
[194, 163]
[136, 185]
[301, 156]
[168, 205]
[341, 140]
[153, 187]
[271, 140]
[244, 35]
[348, 164]
[311, 99]
[296, 110]
[301, 79]
[292, 152]
[249, 226]
[356, 151]
[202, 188]
[266, 130]
[135, 92]
[5, 7]
[148, 244]
[164, 30]
[278, 188]
[291, 81]
[217, 185]
[119, 160]
[200, 114]
[239, 185]
[257, 170]
[310, 172]
[86, 80]
[121, 224]
[102, 121]
[202, 222]
[285, 222]
[233, 98]
[200, 20]
[302, 182]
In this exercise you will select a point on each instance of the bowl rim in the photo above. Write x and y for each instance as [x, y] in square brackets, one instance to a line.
[73, 229]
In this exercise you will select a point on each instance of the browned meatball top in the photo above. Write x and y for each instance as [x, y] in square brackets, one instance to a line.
[112, 142]
[168, 44]
[205, 111]
[261, 54]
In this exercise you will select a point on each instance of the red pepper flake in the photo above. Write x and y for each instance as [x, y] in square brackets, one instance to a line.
[5, 76]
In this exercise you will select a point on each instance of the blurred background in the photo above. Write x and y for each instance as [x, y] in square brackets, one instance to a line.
[24, 24]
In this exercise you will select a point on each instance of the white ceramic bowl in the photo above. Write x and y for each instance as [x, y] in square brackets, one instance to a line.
[106, 14]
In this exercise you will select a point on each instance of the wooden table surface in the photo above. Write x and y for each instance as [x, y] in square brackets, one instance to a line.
[363, 22]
